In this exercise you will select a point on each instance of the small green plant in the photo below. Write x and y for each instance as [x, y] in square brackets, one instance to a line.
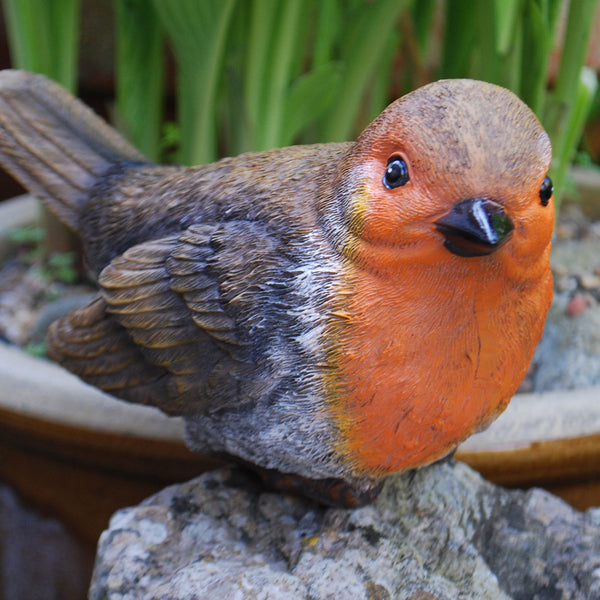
[26, 236]
[60, 266]
[29, 241]
[54, 267]
[38, 349]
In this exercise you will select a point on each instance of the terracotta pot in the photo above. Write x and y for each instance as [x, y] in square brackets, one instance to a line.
[69, 448]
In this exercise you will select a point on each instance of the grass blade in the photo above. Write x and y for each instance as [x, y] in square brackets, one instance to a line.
[365, 44]
[278, 75]
[197, 32]
[460, 27]
[587, 87]
[139, 74]
[506, 15]
[308, 98]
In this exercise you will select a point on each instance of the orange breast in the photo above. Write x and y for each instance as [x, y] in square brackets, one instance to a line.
[426, 358]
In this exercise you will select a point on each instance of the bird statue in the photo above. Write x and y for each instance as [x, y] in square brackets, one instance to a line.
[328, 314]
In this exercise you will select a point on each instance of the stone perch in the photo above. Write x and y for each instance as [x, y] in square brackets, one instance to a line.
[441, 533]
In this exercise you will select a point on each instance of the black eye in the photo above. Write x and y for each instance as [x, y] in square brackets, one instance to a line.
[546, 191]
[396, 173]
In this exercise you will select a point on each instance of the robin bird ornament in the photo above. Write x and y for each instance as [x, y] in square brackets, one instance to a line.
[328, 314]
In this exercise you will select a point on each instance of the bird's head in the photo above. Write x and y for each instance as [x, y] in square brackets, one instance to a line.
[456, 170]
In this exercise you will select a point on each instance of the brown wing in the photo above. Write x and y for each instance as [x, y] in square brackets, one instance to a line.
[168, 317]
[91, 344]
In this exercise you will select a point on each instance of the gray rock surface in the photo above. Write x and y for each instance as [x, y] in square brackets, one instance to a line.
[442, 533]
[568, 356]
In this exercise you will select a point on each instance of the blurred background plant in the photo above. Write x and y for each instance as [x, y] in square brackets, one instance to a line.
[257, 74]
[43, 38]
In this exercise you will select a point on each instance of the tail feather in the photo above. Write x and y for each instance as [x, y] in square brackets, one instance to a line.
[53, 144]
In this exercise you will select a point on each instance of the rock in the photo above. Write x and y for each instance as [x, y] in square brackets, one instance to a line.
[565, 283]
[579, 255]
[437, 534]
[568, 355]
[576, 305]
[590, 281]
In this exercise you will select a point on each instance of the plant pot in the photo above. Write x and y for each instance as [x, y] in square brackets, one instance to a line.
[79, 453]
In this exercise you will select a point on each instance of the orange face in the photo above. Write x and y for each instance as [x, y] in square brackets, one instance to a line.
[449, 218]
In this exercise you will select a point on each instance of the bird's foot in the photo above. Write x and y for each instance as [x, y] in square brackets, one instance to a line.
[332, 492]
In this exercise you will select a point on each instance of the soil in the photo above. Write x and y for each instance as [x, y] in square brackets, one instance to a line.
[567, 357]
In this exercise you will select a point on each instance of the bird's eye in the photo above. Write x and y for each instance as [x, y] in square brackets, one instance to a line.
[546, 191]
[396, 173]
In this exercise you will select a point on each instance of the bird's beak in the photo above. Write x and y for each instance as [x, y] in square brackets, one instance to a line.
[475, 227]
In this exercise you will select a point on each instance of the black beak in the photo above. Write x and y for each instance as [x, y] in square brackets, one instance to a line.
[475, 227]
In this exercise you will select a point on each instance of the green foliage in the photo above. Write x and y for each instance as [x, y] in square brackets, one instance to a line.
[43, 37]
[53, 267]
[363, 48]
[197, 32]
[38, 349]
[139, 67]
[26, 235]
[257, 74]
[60, 266]
[280, 71]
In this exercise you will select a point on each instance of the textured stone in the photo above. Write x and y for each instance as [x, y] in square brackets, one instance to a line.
[568, 356]
[438, 534]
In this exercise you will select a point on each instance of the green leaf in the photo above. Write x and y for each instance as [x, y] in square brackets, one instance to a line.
[27, 235]
[460, 31]
[586, 90]
[506, 13]
[574, 47]
[570, 85]
[535, 51]
[61, 267]
[198, 32]
[308, 98]
[43, 37]
[38, 349]
[278, 74]
[423, 14]
[365, 41]
[328, 28]
[139, 74]
[260, 40]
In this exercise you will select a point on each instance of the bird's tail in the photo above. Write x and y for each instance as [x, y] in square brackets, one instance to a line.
[53, 144]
